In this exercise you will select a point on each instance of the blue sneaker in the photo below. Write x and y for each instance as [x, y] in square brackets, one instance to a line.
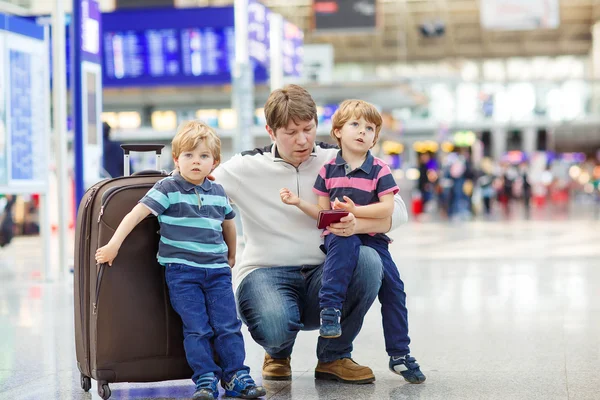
[407, 367]
[242, 385]
[206, 387]
[330, 323]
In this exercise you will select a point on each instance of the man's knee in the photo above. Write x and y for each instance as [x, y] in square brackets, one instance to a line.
[273, 329]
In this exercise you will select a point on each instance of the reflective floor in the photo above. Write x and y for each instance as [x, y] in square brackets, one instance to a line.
[498, 310]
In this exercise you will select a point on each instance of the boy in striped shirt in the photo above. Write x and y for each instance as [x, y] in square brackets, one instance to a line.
[197, 247]
[363, 185]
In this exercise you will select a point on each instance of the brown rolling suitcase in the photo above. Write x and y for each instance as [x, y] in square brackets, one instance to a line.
[125, 328]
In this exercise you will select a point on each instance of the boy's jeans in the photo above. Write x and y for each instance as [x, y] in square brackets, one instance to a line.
[342, 256]
[203, 297]
[277, 302]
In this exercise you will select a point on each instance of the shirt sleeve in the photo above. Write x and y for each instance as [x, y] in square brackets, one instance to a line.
[227, 175]
[157, 199]
[320, 188]
[385, 182]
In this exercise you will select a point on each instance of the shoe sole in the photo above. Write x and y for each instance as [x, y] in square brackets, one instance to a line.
[330, 337]
[412, 383]
[241, 396]
[331, 377]
[276, 378]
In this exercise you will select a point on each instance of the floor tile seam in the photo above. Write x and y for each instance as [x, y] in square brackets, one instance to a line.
[289, 384]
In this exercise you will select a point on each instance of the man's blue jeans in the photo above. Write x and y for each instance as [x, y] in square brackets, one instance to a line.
[203, 297]
[342, 256]
[278, 302]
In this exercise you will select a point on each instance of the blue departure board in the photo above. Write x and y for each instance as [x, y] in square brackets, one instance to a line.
[21, 134]
[172, 47]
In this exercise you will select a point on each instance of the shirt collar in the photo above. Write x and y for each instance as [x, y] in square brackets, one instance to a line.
[366, 166]
[187, 186]
[277, 157]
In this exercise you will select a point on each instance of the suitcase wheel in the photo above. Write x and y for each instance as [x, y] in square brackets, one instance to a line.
[103, 390]
[86, 383]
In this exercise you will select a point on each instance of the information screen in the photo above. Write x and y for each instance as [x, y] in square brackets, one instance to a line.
[171, 47]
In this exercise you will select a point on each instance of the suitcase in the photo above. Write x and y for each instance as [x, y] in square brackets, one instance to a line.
[125, 327]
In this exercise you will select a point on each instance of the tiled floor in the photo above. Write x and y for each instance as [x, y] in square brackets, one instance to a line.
[498, 310]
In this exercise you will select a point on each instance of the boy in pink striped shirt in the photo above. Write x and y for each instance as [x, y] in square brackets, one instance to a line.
[363, 185]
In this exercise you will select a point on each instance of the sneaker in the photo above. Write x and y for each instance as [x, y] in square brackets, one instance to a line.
[407, 367]
[330, 323]
[206, 387]
[242, 385]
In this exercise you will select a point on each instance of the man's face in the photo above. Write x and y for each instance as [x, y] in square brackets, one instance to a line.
[295, 142]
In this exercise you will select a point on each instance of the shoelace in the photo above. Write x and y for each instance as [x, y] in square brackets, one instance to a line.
[330, 316]
[206, 382]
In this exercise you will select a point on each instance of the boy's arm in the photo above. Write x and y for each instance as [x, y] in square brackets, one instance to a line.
[230, 237]
[351, 226]
[312, 210]
[383, 209]
[109, 252]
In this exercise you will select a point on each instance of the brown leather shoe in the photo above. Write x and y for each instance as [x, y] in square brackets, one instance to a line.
[276, 369]
[344, 370]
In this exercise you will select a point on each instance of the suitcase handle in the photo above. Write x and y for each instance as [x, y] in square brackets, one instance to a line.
[149, 172]
[140, 148]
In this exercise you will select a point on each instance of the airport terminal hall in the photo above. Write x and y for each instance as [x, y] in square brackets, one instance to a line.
[300, 199]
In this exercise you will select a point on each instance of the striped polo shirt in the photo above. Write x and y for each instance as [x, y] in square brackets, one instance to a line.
[191, 218]
[364, 185]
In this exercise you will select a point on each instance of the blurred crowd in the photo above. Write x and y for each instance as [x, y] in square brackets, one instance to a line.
[453, 186]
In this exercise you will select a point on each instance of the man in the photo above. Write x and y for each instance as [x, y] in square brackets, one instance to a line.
[279, 275]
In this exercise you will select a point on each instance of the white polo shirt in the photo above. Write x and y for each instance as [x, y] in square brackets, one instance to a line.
[277, 234]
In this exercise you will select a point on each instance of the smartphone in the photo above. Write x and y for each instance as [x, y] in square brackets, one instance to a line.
[328, 217]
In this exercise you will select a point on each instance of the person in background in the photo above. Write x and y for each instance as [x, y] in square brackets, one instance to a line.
[112, 154]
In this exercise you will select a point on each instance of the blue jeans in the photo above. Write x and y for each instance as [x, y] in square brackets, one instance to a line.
[203, 298]
[342, 257]
[278, 302]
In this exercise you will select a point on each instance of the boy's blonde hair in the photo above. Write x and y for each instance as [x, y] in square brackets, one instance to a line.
[355, 109]
[190, 134]
[292, 102]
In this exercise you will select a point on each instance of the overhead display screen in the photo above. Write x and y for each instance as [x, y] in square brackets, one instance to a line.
[162, 53]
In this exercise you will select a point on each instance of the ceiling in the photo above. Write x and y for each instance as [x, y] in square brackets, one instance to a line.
[398, 37]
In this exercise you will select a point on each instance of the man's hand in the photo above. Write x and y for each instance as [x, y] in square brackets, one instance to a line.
[345, 227]
[106, 254]
[288, 197]
[347, 206]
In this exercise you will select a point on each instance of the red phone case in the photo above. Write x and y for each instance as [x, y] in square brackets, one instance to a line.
[328, 217]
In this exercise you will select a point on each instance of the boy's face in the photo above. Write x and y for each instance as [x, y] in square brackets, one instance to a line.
[357, 135]
[196, 164]
[295, 142]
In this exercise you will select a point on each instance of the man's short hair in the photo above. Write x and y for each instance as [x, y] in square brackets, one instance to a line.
[190, 134]
[292, 102]
[355, 109]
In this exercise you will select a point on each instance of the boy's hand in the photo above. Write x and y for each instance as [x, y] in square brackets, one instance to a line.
[347, 206]
[107, 254]
[231, 261]
[288, 197]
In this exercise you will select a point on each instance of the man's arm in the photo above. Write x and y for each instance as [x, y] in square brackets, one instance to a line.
[226, 175]
[384, 225]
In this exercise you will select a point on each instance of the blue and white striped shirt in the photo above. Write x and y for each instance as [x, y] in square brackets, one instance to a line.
[191, 218]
